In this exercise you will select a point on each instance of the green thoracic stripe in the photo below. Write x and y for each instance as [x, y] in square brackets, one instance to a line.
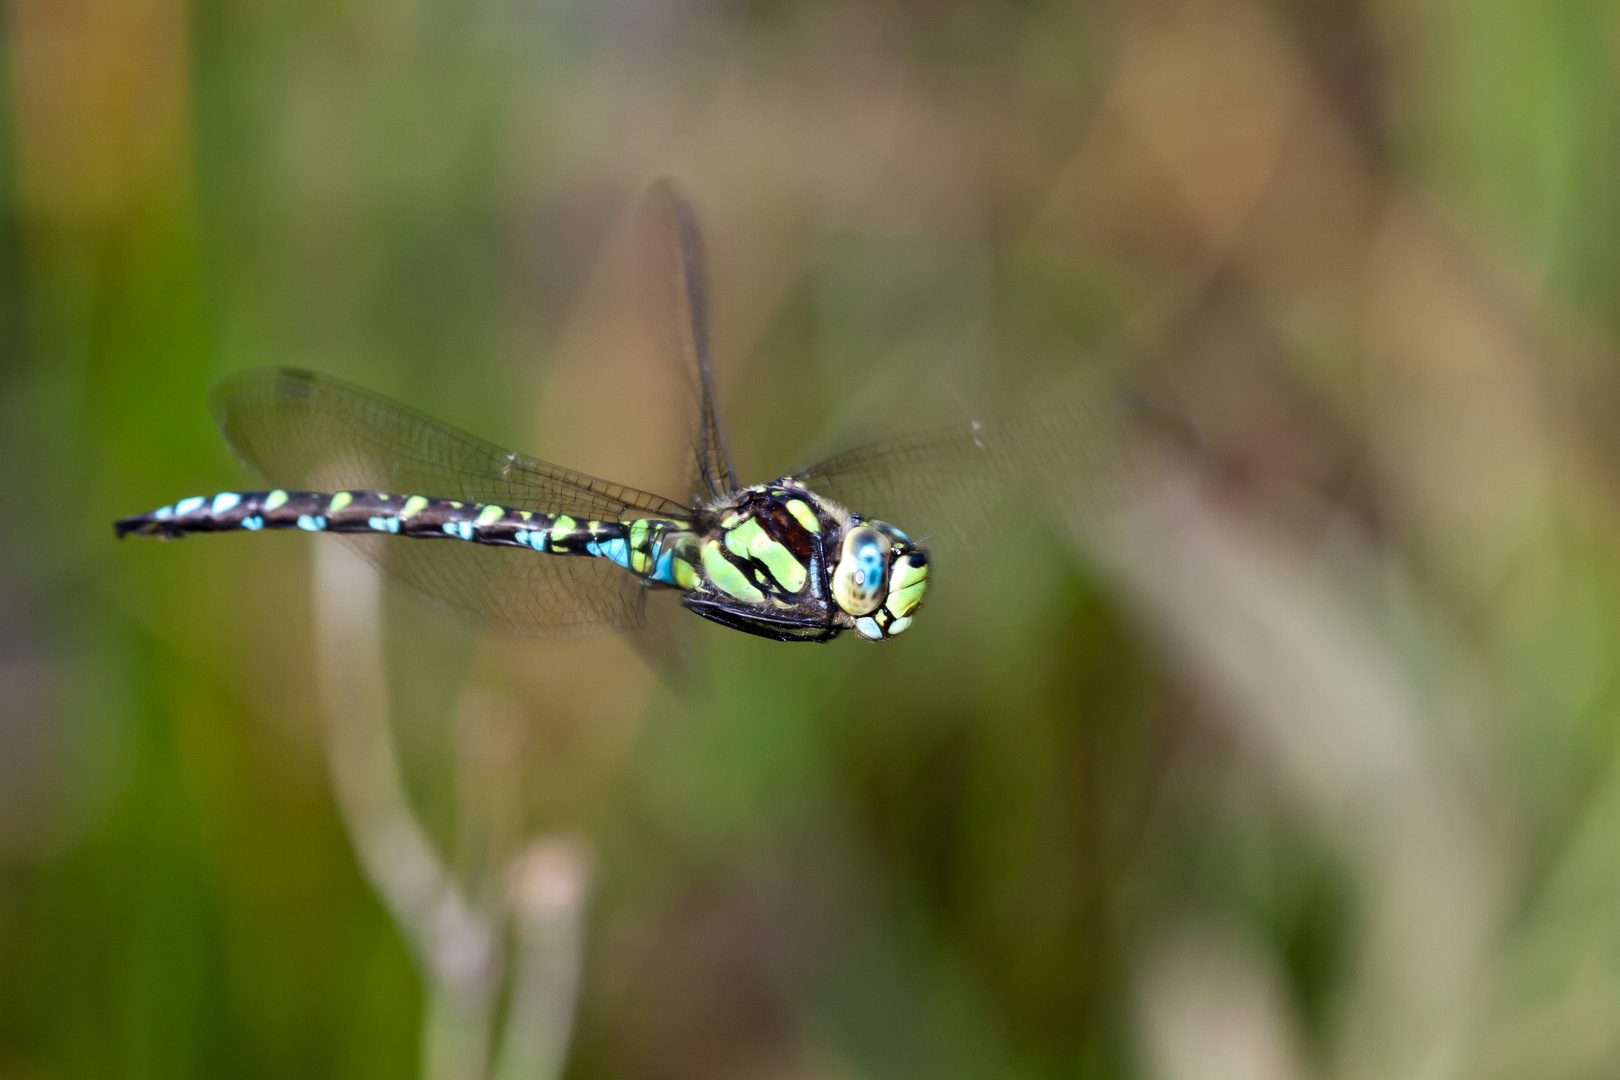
[805, 516]
[750, 540]
[727, 578]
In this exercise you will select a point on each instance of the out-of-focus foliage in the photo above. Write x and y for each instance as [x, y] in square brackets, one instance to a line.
[1306, 769]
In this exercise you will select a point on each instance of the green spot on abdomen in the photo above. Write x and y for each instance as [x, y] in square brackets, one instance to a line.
[685, 574]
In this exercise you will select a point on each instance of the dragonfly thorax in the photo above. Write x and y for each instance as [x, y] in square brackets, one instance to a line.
[780, 561]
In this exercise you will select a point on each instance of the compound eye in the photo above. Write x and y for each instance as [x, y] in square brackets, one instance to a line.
[859, 580]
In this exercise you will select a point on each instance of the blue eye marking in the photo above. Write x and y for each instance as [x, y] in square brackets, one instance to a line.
[869, 559]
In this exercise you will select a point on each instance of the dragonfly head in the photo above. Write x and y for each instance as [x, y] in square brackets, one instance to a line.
[880, 578]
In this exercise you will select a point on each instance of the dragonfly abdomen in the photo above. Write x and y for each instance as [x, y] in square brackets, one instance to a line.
[651, 548]
[340, 512]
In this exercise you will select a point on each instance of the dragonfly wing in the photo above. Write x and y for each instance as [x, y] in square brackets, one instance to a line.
[1078, 456]
[926, 484]
[677, 283]
[665, 640]
[301, 430]
[520, 592]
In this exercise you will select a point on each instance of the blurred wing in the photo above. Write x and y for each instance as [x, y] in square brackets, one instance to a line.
[1076, 458]
[665, 639]
[310, 431]
[527, 593]
[297, 427]
[677, 283]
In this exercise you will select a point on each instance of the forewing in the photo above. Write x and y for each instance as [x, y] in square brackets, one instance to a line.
[297, 427]
[1079, 455]
[311, 431]
[676, 285]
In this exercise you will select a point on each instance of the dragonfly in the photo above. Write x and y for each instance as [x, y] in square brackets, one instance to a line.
[544, 550]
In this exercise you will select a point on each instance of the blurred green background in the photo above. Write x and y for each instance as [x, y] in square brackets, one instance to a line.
[1308, 770]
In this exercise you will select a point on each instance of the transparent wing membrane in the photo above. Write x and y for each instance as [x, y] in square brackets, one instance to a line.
[1081, 454]
[522, 592]
[300, 428]
[672, 250]
[311, 431]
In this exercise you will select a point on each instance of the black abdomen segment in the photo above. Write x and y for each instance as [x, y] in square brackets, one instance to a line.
[375, 512]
